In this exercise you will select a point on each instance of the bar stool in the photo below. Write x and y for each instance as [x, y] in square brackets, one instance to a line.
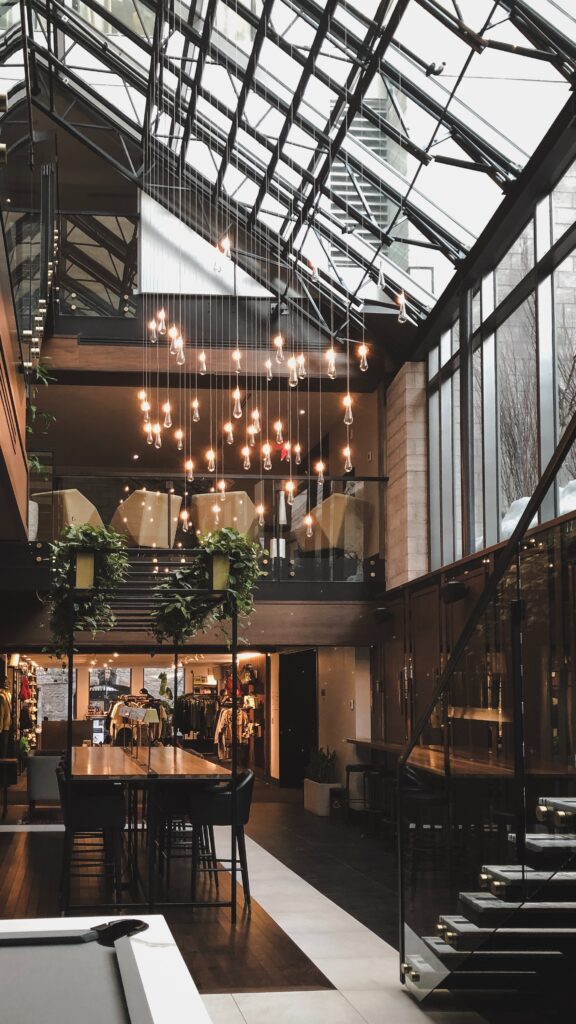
[213, 806]
[365, 770]
[91, 812]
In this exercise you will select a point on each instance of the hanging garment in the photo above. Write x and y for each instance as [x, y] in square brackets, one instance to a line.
[5, 710]
[25, 692]
[223, 733]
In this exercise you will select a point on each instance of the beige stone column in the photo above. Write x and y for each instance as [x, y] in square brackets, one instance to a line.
[82, 690]
[406, 467]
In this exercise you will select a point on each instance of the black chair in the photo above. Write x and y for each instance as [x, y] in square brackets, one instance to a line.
[91, 811]
[211, 806]
[174, 833]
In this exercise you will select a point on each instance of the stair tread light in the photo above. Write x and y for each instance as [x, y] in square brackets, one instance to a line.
[202, 367]
[211, 459]
[331, 359]
[229, 431]
[237, 409]
[347, 403]
[279, 346]
[363, 353]
[195, 410]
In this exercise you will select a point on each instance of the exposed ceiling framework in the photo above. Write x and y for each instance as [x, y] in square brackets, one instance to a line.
[349, 142]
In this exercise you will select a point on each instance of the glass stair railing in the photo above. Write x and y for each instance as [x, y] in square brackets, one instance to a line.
[487, 784]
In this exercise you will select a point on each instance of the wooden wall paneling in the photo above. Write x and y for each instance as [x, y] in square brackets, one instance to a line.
[13, 464]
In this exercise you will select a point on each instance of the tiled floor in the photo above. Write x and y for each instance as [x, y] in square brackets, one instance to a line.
[361, 965]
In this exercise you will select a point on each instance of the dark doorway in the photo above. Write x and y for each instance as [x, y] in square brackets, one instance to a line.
[298, 714]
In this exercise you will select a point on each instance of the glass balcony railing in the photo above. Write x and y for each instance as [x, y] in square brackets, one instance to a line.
[322, 533]
[487, 785]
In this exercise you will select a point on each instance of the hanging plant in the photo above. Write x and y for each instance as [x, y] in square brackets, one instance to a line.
[92, 609]
[182, 608]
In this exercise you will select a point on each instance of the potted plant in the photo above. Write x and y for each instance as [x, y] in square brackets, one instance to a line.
[319, 779]
[183, 605]
[92, 608]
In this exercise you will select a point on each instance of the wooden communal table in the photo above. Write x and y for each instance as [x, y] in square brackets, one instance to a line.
[150, 766]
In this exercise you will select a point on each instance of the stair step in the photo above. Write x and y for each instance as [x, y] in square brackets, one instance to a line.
[495, 981]
[491, 959]
[460, 933]
[548, 851]
[561, 811]
[483, 908]
[512, 882]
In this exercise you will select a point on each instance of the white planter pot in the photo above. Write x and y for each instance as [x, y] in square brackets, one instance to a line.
[317, 797]
[33, 510]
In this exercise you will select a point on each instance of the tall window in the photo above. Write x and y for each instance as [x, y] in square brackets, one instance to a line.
[517, 411]
[565, 345]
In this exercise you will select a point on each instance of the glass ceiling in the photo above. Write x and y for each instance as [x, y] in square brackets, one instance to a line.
[364, 145]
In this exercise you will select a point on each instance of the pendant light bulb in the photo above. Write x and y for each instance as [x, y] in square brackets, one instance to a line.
[293, 374]
[211, 459]
[251, 431]
[314, 270]
[347, 403]
[152, 331]
[287, 451]
[363, 353]
[179, 346]
[195, 410]
[167, 415]
[173, 334]
[216, 511]
[268, 365]
[161, 322]
[256, 420]
[320, 467]
[278, 428]
[237, 409]
[402, 312]
[237, 359]
[260, 510]
[331, 361]
[229, 432]
[225, 246]
[145, 405]
[347, 453]
[184, 517]
[279, 346]
[301, 366]
[246, 454]
[290, 487]
[221, 485]
[149, 434]
[179, 435]
[202, 368]
[308, 523]
[266, 452]
[381, 276]
[157, 431]
[298, 453]
[189, 467]
[142, 395]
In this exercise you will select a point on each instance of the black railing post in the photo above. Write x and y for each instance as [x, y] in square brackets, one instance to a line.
[234, 753]
[70, 654]
[516, 616]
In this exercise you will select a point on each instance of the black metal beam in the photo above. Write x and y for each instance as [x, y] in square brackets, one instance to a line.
[202, 53]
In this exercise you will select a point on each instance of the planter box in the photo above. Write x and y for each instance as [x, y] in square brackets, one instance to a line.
[317, 797]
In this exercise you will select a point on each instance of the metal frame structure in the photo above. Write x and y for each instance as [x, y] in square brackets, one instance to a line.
[165, 68]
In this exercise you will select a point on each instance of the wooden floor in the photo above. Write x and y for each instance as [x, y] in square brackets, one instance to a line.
[254, 956]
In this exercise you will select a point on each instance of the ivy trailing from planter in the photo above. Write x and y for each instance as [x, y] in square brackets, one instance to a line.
[92, 609]
[182, 608]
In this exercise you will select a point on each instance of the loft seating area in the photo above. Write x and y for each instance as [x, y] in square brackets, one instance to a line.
[288, 511]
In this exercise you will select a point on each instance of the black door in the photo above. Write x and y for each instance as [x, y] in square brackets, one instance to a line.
[298, 714]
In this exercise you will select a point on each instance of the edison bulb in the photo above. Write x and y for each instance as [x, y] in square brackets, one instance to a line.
[225, 246]
[251, 431]
[260, 510]
[268, 365]
[256, 420]
[363, 353]
[320, 467]
[237, 359]
[152, 331]
[195, 410]
[145, 405]
[308, 523]
[216, 511]
[246, 454]
[167, 415]
[185, 516]
[149, 434]
[331, 360]
[161, 318]
[290, 487]
[279, 346]
[202, 368]
[179, 435]
[347, 453]
[179, 346]
[293, 374]
[173, 334]
[301, 366]
[298, 453]
[229, 431]
[266, 452]
[278, 429]
[142, 396]
[211, 459]
[189, 467]
[402, 312]
[157, 431]
[347, 403]
[221, 485]
[237, 408]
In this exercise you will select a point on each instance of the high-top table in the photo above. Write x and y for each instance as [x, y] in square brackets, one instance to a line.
[142, 771]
